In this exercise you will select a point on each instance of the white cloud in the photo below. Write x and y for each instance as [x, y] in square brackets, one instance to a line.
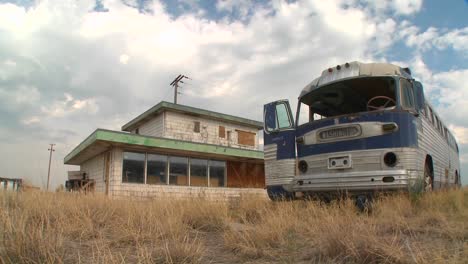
[124, 58]
[435, 38]
[7, 69]
[457, 39]
[241, 6]
[16, 97]
[27, 94]
[69, 105]
[461, 133]
[31, 120]
[424, 40]
[406, 7]
[399, 7]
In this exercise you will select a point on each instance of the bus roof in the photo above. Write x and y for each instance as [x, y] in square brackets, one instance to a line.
[355, 69]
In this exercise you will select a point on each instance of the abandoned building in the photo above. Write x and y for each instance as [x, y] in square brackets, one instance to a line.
[10, 184]
[174, 150]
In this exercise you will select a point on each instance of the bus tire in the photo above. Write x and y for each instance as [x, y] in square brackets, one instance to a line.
[278, 193]
[428, 178]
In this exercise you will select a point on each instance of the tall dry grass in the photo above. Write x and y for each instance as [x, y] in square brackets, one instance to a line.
[71, 228]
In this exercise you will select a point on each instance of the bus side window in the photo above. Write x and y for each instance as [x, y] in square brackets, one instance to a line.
[431, 115]
[305, 115]
[432, 118]
[318, 117]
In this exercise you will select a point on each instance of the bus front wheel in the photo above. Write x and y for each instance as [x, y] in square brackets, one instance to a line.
[278, 193]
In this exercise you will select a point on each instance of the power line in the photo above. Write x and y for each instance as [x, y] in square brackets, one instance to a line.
[51, 149]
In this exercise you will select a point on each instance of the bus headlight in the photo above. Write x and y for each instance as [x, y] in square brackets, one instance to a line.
[390, 159]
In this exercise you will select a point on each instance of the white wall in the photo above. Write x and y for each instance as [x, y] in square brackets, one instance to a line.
[95, 168]
[181, 126]
[154, 127]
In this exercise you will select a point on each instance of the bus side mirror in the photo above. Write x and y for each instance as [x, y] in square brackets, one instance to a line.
[420, 102]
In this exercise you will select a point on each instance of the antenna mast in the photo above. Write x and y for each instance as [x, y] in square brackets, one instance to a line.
[175, 83]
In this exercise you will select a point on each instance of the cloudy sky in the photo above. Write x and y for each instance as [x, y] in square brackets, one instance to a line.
[68, 67]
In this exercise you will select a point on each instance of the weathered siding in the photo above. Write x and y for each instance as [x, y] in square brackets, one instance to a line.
[181, 126]
[143, 191]
[153, 127]
[94, 169]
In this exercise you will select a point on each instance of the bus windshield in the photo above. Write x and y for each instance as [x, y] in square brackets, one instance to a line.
[348, 97]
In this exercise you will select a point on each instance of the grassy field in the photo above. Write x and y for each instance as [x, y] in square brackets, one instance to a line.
[69, 228]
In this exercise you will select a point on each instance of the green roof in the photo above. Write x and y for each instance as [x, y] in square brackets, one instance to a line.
[101, 139]
[163, 106]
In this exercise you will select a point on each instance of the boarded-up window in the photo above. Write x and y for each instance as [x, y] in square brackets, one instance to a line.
[196, 127]
[222, 132]
[245, 138]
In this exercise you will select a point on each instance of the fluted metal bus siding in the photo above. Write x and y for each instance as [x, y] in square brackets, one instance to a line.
[277, 172]
[431, 142]
[365, 160]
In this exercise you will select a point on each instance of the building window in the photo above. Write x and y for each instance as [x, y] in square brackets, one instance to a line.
[198, 172]
[137, 131]
[156, 169]
[245, 138]
[217, 173]
[133, 167]
[178, 171]
[196, 127]
[222, 132]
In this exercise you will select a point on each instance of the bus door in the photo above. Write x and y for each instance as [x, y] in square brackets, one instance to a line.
[279, 146]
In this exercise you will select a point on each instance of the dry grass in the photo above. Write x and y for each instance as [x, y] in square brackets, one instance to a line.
[69, 228]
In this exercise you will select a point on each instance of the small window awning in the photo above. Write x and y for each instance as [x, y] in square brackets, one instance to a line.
[102, 140]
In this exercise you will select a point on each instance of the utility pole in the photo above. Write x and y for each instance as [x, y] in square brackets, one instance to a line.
[50, 160]
[175, 83]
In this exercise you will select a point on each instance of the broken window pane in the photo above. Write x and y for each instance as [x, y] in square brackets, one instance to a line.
[133, 167]
[198, 172]
[178, 169]
[156, 169]
[217, 172]
[351, 96]
[196, 127]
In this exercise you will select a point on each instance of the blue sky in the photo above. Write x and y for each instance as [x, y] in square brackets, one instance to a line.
[68, 67]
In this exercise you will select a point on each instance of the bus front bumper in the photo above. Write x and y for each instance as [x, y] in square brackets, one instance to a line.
[360, 181]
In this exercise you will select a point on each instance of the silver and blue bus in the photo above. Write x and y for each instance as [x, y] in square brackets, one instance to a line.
[359, 129]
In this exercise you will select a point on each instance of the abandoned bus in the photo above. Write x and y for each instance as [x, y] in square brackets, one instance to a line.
[360, 128]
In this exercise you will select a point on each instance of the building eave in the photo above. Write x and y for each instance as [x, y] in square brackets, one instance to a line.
[101, 139]
[166, 106]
